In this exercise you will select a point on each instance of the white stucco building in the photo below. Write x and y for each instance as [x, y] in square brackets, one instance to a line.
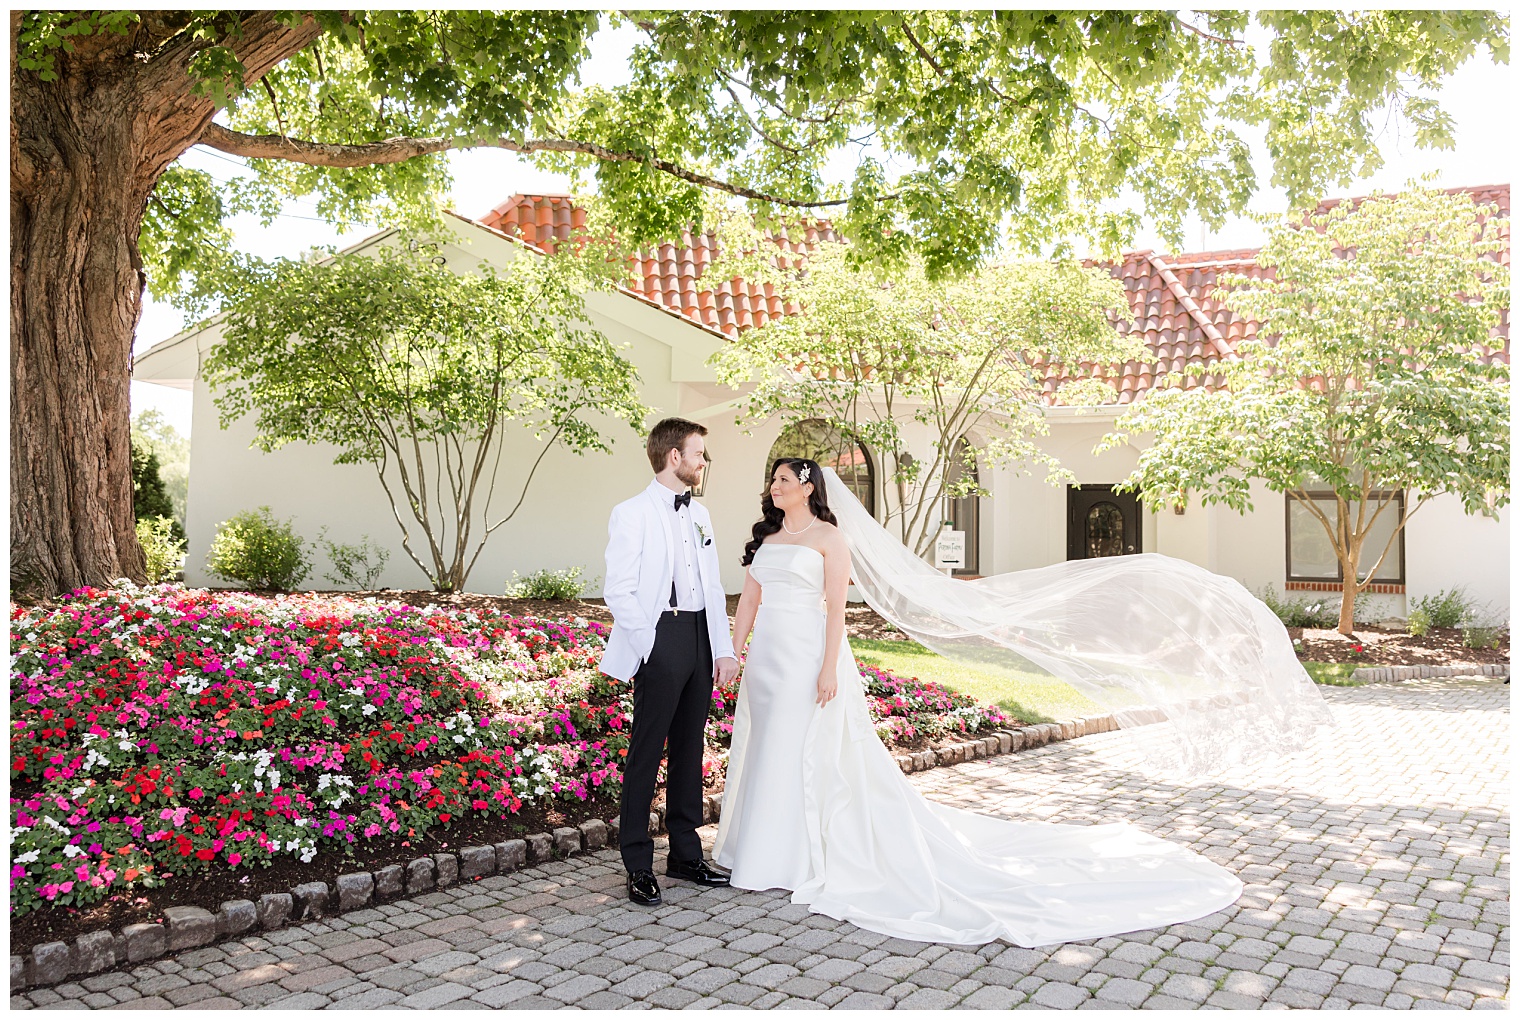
[669, 329]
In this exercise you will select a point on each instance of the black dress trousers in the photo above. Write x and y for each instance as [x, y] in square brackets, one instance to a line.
[672, 691]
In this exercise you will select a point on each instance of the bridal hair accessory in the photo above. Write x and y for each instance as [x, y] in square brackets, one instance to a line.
[802, 476]
[1197, 670]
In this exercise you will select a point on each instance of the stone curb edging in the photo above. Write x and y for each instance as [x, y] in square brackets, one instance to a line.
[191, 927]
[1005, 742]
[1372, 674]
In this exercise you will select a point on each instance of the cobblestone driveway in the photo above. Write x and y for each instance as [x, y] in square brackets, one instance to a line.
[1376, 871]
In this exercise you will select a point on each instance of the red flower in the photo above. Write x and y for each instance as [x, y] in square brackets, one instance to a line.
[205, 854]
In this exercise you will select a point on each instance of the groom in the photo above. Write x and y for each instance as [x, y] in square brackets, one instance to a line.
[670, 634]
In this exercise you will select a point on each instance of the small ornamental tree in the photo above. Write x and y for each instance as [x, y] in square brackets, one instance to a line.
[1366, 378]
[872, 357]
[420, 371]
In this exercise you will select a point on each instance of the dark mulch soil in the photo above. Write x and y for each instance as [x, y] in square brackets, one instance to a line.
[209, 889]
[1380, 647]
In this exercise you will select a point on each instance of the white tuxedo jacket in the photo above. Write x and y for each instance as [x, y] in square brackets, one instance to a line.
[641, 537]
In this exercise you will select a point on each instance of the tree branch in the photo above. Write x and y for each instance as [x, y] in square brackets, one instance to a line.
[928, 57]
[940, 70]
[397, 150]
[1211, 38]
[756, 127]
[274, 104]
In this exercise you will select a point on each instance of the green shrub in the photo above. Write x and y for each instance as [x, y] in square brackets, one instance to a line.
[1320, 612]
[164, 553]
[150, 498]
[1446, 608]
[1419, 623]
[255, 550]
[352, 563]
[549, 584]
[1481, 627]
[1482, 635]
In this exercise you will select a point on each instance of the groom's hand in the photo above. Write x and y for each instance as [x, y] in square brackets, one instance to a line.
[725, 670]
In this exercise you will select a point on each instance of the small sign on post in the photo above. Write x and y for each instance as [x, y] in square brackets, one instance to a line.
[950, 550]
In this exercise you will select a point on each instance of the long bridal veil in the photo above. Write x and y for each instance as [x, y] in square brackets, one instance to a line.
[1199, 672]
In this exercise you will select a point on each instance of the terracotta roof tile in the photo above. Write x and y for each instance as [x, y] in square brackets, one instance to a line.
[1173, 305]
[668, 275]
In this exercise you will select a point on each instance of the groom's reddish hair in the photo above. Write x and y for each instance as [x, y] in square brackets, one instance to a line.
[670, 434]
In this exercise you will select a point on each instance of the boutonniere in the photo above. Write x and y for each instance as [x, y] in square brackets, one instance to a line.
[703, 533]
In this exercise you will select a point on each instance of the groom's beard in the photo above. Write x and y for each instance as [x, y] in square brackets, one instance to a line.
[691, 476]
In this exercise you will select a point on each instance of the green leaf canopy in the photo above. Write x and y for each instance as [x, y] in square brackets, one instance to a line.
[1019, 127]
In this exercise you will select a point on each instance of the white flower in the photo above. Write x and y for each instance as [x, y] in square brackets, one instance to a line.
[28, 857]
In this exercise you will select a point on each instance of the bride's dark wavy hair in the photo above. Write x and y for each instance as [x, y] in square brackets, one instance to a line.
[771, 518]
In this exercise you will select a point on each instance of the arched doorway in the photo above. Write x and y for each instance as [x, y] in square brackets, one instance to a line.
[820, 441]
[965, 511]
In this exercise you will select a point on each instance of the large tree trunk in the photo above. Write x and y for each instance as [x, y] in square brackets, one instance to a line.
[86, 151]
[77, 197]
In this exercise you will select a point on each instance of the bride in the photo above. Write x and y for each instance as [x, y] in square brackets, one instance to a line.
[815, 804]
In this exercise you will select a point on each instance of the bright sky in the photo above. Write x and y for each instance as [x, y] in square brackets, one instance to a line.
[484, 178]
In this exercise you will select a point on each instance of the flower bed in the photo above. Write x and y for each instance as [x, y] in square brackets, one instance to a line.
[162, 732]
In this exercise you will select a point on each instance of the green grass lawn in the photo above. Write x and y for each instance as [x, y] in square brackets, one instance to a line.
[1336, 674]
[1032, 697]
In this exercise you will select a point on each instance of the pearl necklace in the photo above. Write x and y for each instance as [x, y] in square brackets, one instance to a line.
[799, 531]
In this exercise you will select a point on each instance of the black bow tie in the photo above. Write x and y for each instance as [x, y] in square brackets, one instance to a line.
[684, 499]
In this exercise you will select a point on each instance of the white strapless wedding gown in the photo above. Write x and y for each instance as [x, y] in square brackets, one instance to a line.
[814, 803]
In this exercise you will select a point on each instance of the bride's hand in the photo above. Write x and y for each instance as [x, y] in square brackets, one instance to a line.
[828, 686]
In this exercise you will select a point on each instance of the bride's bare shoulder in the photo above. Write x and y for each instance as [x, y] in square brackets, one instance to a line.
[831, 538]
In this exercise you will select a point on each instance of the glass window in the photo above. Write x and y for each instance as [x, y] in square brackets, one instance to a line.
[1105, 531]
[1311, 557]
[817, 440]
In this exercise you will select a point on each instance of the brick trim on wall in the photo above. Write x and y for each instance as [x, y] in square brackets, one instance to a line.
[1375, 589]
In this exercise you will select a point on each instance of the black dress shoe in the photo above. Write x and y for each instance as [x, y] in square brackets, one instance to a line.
[644, 888]
[698, 871]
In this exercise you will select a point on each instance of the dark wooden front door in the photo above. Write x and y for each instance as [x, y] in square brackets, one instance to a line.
[1101, 522]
